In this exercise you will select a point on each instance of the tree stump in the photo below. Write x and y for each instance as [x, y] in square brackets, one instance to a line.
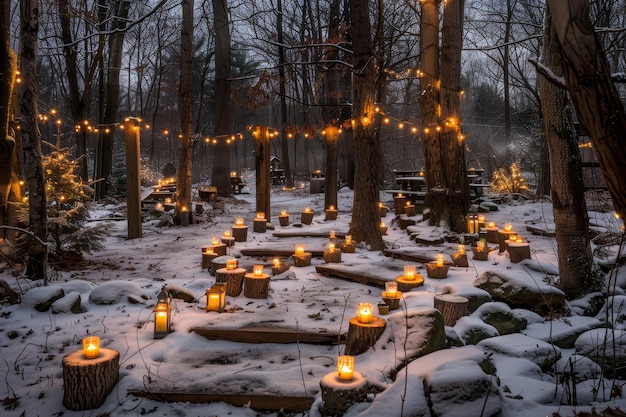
[87, 382]
[218, 263]
[256, 286]
[409, 210]
[219, 249]
[362, 336]
[503, 236]
[460, 259]
[302, 259]
[229, 241]
[436, 272]
[492, 235]
[331, 214]
[207, 259]
[276, 270]
[406, 222]
[347, 247]
[332, 257]
[392, 302]
[480, 255]
[240, 233]
[452, 307]
[233, 279]
[260, 226]
[306, 217]
[338, 396]
[518, 251]
[405, 285]
[398, 204]
[383, 210]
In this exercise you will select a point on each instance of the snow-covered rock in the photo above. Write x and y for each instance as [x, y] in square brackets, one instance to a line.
[113, 292]
[42, 298]
[518, 345]
[500, 316]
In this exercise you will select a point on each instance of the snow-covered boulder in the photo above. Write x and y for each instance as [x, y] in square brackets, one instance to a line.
[607, 347]
[472, 330]
[181, 293]
[542, 353]
[577, 368]
[113, 292]
[520, 288]
[562, 331]
[7, 295]
[462, 388]
[42, 298]
[405, 393]
[500, 316]
[70, 303]
[613, 312]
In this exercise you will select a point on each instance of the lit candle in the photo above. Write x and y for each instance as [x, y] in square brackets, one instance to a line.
[168, 200]
[365, 312]
[508, 227]
[348, 239]
[380, 204]
[231, 264]
[512, 238]
[91, 347]
[215, 241]
[331, 247]
[409, 272]
[300, 249]
[332, 234]
[345, 367]
[382, 225]
[481, 245]
[439, 259]
[391, 289]
[461, 249]
[481, 219]
[400, 195]
[519, 239]
[208, 251]
[239, 221]
[283, 213]
[260, 215]
[258, 270]
[491, 225]
[276, 263]
[307, 209]
[160, 320]
[213, 302]
[331, 207]
[227, 233]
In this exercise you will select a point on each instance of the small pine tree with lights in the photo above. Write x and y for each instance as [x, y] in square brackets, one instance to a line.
[508, 181]
[68, 206]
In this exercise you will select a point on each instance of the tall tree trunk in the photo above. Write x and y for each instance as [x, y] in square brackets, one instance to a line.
[223, 115]
[31, 141]
[452, 144]
[365, 215]
[284, 137]
[429, 100]
[568, 202]
[588, 80]
[185, 113]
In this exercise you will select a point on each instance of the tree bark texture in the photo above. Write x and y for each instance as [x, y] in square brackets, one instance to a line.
[588, 80]
[568, 200]
[87, 382]
[282, 79]
[31, 141]
[362, 336]
[262, 168]
[365, 218]
[220, 175]
[185, 112]
[452, 307]
[332, 156]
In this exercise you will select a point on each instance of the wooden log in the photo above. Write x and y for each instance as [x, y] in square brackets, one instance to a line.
[87, 382]
[540, 232]
[256, 286]
[256, 402]
[260, 226]
[492, 235]
[277, 252]
[344, 271]
[283, 220]
[503, 236]
[407, 256]
[347, 247]
[306, 217]
[228, 241]
[218, 263]
[452, 307]
[459, 259]
[398, 204]
[407, 285]
[240, 233]
[267, 334]
[338, 396]
[207, 259]
[409, 210]
[303, 259]
[436, 272]
[233, 279]
[406, 222]
[518, 251]
[220, 249]
[332, 257]
[392, 302]
[362, 336]
[383, 210]
[331, 214]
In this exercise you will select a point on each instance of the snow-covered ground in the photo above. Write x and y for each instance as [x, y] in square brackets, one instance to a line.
[32, 344]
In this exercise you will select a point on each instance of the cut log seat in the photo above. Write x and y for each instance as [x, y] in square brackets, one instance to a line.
[267, 334]
[345, 272]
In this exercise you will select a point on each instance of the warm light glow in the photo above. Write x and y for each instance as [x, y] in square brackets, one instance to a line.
[491, 225]
[215, 241]
[331, 247]
[391, 289]
[382, 225]
[345, 367]
[348, 239]
[461, 249]
[508, 227]
[409, 272]
[276, 263]
[365, 312]
[512, 238]
[239, 221]
[331, 207]
[481, 246]
[227, 233]
[519, 239]
[332, 234]
[439, 259]
[216, 298]
[307, 210]
[299, 249]
[208, 251]
[481, 219]
[231, 264]
[284, 213]
[161, 318]
[257, 270]
[260, 215]
[233, 174]
[91, 347]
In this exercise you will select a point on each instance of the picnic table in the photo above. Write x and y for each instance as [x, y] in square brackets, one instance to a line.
[238, 184]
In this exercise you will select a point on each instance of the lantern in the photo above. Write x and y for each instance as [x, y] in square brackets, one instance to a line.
[512, 237]
[439, 259]
[345, 367]
[299, 249]
[461, 249]
[472, 224]
[216, 298]
[257, 270]
[409, 272]
[231, 264]
[91, 347]
[481, 245]
[391, 289]
[481, 220]
[365, 312]
[162, 314]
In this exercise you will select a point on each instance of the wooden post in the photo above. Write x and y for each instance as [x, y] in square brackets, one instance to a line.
[133, 193]
[452, 307]
[87, 382]
[338, 396]
[332, 152]
[262, 166]
[362, 336]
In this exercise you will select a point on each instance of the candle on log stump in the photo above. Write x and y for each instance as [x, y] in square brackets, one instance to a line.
[338, 396]
[362, 336]
[87, 382]
[256, 286]
[233, 279]
[452, 307]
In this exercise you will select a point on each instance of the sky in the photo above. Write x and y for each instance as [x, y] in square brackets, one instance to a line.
[129, 273]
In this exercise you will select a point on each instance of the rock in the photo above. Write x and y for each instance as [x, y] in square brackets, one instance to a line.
[577, 368]
[181, 293]
[562, 332]
[606, 347]
[68, 304]
[42, 298]
[613, 312]
[500, 316]
[113, 292]
[475, 296]
[453, 338]
[588, 305]
[461, 388]
[415, 404]
[7, 295]
[421, 328]
[472, 330]
[519, 288]
[542, 353]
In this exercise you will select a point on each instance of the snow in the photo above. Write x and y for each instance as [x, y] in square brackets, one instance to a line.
[118, 291]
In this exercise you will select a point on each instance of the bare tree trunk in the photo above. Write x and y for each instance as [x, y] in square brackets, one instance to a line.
[31, 141]
[568, 201]
[224, 119]
[185, 113]
[589, 82]
[284, 137]
[365, 215]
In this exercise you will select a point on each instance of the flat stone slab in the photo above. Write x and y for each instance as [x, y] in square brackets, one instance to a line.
[518, 345]
[562, 332]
